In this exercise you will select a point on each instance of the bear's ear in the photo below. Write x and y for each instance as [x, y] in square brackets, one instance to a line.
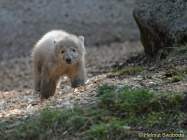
[81, 38]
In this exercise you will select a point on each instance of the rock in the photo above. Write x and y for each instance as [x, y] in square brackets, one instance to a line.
[100, 21]
[162, 24]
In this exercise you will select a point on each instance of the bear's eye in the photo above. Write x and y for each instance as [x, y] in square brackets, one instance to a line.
[62, 51]
[73, 50]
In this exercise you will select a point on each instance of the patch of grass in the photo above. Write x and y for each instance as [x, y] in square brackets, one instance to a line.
[136, 99]
[130, 70]
[124, 99]
[176, 75]
[59, 124]
[181, 50]
[176, 78]
[141, 107]
[51, 124]
[121, 113]
[113, 130]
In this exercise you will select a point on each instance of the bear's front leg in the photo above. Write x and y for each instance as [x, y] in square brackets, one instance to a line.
[48, 86]
[80, 78]
[36, 76]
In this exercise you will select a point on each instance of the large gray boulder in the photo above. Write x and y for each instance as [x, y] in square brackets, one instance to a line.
[162, 24]
[22, 22]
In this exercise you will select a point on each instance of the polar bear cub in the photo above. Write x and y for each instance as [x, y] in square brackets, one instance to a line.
[57, 54]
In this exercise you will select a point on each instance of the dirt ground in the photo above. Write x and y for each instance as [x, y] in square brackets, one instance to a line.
[17, 100]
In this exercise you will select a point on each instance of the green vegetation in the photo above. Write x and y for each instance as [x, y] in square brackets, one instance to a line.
[180, 50]
[176, 75]
[121, 113]
[130, 70]
[140, 107]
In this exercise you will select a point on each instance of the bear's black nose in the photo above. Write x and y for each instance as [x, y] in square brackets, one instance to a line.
[68, 60]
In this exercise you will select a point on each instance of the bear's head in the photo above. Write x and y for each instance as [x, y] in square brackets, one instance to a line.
[70, 49]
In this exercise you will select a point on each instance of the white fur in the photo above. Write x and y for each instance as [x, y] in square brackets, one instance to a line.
[45, 56]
